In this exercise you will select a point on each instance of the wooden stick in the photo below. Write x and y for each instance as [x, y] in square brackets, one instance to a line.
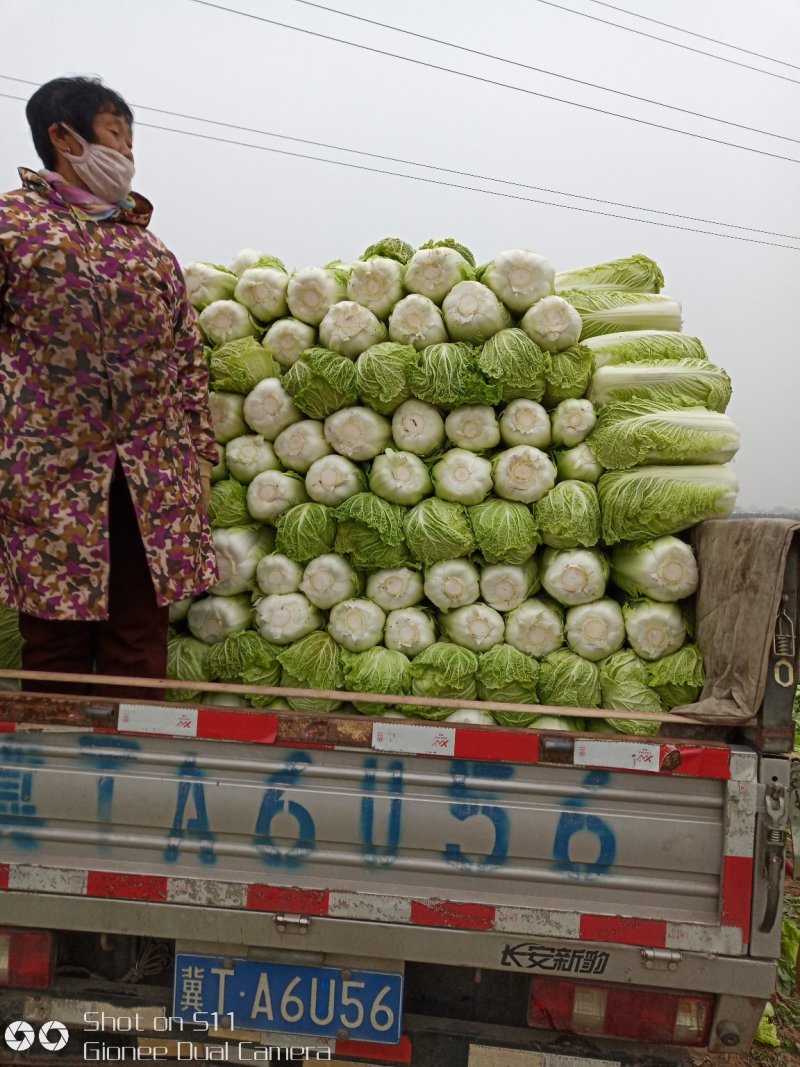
[333, 694]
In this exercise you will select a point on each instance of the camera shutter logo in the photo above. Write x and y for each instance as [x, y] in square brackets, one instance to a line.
[19, 1036]
[53, 1036]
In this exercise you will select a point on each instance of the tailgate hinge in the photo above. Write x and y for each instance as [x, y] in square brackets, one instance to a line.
[293, 924]
[662, 959]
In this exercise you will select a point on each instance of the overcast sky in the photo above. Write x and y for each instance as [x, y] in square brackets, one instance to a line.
[213, 198]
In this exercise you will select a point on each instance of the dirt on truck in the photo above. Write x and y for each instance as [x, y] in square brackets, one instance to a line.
[188, 881]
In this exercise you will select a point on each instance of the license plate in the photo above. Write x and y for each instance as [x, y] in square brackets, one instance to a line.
[289, 999]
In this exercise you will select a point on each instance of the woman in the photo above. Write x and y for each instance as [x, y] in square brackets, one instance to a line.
[106, 445]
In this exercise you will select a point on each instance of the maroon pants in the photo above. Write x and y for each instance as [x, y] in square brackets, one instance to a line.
[132, 642]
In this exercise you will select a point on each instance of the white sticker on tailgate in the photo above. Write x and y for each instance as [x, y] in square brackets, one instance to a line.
[146, 719]
[421, 740]
[621, 755]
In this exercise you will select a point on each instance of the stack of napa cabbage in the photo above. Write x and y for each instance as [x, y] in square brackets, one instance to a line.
[455, 481]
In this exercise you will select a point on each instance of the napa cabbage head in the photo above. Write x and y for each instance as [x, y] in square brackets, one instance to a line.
[663, 569]
[524, 422]
[476, 627]
[262, 289]
[225, 320]
[227, 504]
[409, 630]
[569, 680]
[504, 586]
[328, 580]
[574, 575]
[433, 272]
[357, 433]
[673, 383]
[243, 652]
[679, 677]
[635, 273]
[569, 515]
[519, 278]
[653, 629]
[512, 359]
[624, 686]
[612, 311]
[473, 313]
[473, 426]
[462, 477]
[269, 409]
[378, 670]
[643, 346]
[371, 531]
[313, 291]
[395, 587]
[578, 463]
[437, 529]
[418, 427]
[187, 661]
[505, 531]
[287, 339]
[321, 382]
[238, 551]
[206, 283]
[552, 323]
[312, 662]
[213, 618]
[647, 502]
[351, 328]
[400, 477]
[377, 284]
[300, 445]
[443, 670]
[249, 455]
[452, 583]
[638, 432]
[390, 248]
[382, 374]
[595, 630]
[238, 366]
[508, 676]
[284, 618]
[569, 375]
[536, 627]
[356, 624]
[305, 531]
[417, 321]
[227, 416]
[448, 376]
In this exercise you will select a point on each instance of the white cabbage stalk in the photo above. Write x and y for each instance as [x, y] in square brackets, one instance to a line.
[314, 290]
[571, 421]
[418, 427]
[523, 473]
[287, 339]
[553, 324]
[214, 618]
[472, 716]
[377, 284]
[273, 492]
[206, 283]
[654, 630]
[535, 627]
[238, 553]
[555, 722]
[180, 609]
[673, 382]
[433, 272]
[248, 456]
[578, 464]
[357, 433]
[664, 569]
[332, 479]
[244, 259]
[595, 630]
[476, 627]
[417, 321]
[462, 477]
[519, 278]
[269, 409]
[574, 575]
[395, 587]
[283, 618]
[225, 320]
[328, 580]
[400, 478]
[227, 416]
[473, 313]
[473, 427]
[356, 624]
[452, 583]
[350, 329]
[300, 445]
[504, 586]
[409, 630]
[277, 574]
[262, 290]
[524, 422]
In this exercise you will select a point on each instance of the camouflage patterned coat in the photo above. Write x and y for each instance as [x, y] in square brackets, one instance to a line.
[100, 357]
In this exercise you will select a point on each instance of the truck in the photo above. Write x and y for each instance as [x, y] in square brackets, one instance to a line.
[191, 882]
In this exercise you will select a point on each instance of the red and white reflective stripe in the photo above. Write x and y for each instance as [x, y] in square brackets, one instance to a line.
[418, 739]
[729, 938]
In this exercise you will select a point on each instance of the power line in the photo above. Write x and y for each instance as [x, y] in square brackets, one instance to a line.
[494, 82]
[450, 185]
[665, 40]
[437, 167]
[700, 36]
[548, 73]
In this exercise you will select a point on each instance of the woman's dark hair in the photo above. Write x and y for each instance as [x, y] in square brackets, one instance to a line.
[74, 101]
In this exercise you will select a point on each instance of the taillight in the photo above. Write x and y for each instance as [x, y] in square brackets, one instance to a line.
[617, 1011]
[26, 958]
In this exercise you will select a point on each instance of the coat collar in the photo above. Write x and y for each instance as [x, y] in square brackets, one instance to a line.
[139, 215]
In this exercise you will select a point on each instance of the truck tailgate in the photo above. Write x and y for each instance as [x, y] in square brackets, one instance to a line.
[567, 841]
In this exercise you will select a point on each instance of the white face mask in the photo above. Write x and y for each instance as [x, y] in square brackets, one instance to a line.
[108, 174]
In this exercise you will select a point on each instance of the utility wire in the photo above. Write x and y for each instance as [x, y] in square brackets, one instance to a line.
[492, 81]
[665, 40]
[548, 73]
[450, 185]
[444, 170]
[691, 33]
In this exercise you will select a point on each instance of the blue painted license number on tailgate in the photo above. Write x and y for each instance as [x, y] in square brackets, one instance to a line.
[289, 999]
